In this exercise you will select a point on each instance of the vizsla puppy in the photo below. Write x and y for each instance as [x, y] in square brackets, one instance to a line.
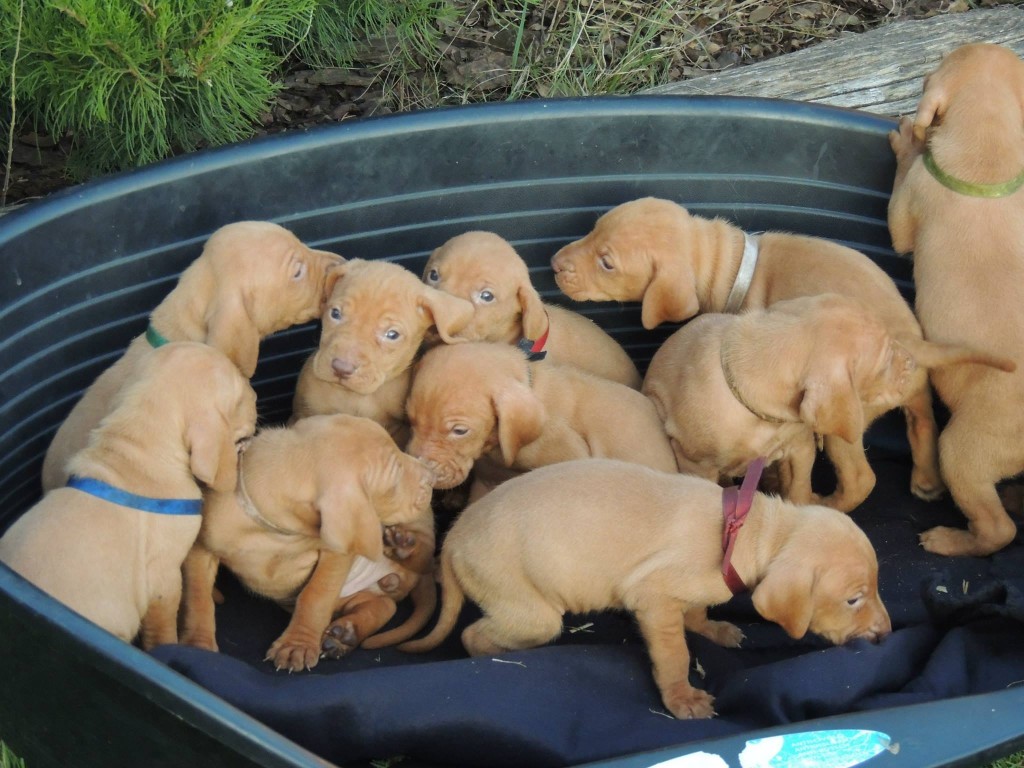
[678, 265]
[488, 402]
[483, 268]
[303, 528]
[598, 534]
[958, 206]
[373, 326]
[253, 278]
[734, 387]
[111, 544]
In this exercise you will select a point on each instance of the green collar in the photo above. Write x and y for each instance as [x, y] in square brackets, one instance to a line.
[961, 187]
[154, 337]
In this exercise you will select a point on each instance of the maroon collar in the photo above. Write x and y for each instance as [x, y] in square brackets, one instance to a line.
[736, 503]
[534, 349]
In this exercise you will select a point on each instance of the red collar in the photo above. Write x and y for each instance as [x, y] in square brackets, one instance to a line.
[736, 503]
[535, 349]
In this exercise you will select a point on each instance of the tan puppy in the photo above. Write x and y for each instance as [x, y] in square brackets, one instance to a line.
[373, 326]
[598, 534]
[654, 251]
[969, 269]
[481, 401]
[734, 387]
[253, 278]
[303, 528]
[181, 421]
[483, 268]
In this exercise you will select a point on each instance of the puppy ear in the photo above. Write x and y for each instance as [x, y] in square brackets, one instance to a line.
[213, 456]
[231, 329]
[450, 314]
[670, 296]
[930, 109]
[348, 520]
[785, 596]
[535, 317]
[830, 404]
[520, 416]
[331, 278]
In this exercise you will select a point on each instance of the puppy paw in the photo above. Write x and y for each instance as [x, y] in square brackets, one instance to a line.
[399, 543]
[293, 654]
[722, 633]
[926, 485]
[339, 638]
[688, 703]
[954, 542]
[903, 141]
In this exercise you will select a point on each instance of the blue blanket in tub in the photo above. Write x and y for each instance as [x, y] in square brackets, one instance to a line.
[956, 631]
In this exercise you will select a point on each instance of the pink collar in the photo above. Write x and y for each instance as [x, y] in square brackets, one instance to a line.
[736, 503]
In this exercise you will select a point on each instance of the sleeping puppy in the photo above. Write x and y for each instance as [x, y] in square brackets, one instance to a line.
[679, 265]
[483, 268]
[111, 544]
[600, 534]
[487, 404]
[253, 278]
[372, 328]
[731, 388]
[303, 528]
[964, 222]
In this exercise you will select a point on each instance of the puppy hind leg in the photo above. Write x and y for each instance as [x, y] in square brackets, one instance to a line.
[854, 477]
[512, 630]
[971, 467]
[923, 435]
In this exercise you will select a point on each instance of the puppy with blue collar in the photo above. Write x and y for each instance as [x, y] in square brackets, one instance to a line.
[110, 544]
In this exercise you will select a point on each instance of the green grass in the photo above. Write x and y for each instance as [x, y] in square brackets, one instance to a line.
[8, 759]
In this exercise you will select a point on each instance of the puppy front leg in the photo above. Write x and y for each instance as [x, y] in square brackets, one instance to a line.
[298, 647]
[197, 617]
[719, 632]
[661, 623]
[160, 624]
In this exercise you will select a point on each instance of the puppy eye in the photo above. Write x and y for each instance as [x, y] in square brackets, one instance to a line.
[460, 431]
[486, 296]
[391, 334]
[336, 314]
[606, 264]
[300, 271]
[853, 602]
[433, 276]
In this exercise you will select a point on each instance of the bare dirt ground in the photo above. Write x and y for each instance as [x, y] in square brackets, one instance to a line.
[488, 55]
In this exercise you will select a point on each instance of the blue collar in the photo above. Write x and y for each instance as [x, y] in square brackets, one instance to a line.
[102, 490]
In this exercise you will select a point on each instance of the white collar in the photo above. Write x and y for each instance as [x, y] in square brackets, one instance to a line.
[741, 285]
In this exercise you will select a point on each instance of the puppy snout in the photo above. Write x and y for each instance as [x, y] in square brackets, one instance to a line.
[559, 263]
[343, 368]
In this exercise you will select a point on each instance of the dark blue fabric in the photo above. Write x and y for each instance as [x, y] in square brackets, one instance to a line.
[957, 631]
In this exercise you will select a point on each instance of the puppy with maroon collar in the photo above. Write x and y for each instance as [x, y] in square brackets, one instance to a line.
[599, 534]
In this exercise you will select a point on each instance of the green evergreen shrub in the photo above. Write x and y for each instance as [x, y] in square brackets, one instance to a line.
[135, 80]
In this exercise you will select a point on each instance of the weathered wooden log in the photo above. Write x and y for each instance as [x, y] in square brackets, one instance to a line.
[879, 71]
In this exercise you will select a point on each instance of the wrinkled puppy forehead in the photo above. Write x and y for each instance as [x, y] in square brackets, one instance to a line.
[473, 255]
[376, 285]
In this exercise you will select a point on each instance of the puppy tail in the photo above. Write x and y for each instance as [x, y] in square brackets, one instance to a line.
[452, 599]
[424, 601]
[930, 354]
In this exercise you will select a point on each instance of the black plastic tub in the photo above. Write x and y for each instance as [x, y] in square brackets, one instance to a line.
[82, 270]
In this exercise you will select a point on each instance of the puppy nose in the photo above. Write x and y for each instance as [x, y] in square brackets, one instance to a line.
[558, 263]
[343, 368]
